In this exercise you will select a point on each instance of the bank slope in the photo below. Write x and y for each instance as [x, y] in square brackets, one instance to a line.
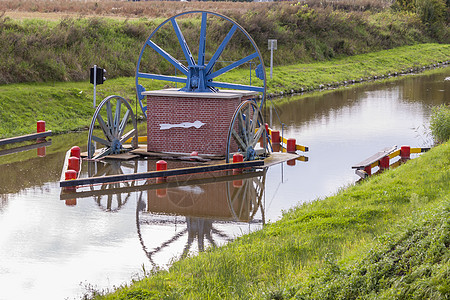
[388, 236]
[68, 106]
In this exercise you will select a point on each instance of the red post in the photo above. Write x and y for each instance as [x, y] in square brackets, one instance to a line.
[238, 157]
[71, 202]
[75, 151]
[74, 164]
[40, 126]
[291, 162]
[276, 137]
[290, 146]
[41, 151]
[70, 175]
[161, 165]
[267, 128]
[384, 163]
[368, 170]
[405, 152]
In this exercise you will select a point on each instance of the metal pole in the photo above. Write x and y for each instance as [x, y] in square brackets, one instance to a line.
[271, 61]
[95, 83]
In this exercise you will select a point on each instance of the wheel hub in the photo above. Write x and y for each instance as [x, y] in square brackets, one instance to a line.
[116, 146]
[250, 154]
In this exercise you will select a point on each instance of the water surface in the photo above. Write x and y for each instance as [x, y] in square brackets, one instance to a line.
[54, 246]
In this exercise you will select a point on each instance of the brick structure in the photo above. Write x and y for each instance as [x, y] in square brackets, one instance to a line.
[172, 107]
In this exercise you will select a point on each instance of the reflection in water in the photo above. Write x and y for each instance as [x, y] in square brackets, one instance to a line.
[202, 207]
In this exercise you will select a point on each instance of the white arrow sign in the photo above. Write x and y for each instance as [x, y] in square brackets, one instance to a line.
[197, 124]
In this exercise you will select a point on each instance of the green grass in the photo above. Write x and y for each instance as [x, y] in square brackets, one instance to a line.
[68, 106]
[386, 238]
[35, 50]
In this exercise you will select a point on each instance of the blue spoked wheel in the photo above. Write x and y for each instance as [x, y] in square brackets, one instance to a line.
[112, 116]
[209, 48]
[247, 130]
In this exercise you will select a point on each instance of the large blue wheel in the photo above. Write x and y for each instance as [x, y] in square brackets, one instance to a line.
[201, 75]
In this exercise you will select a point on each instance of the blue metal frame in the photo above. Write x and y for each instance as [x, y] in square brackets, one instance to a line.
[200, 75]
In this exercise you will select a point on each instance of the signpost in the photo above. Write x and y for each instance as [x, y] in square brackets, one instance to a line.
[97, 76]
[272, 46]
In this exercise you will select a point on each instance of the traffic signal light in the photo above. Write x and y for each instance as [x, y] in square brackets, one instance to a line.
[100, 75]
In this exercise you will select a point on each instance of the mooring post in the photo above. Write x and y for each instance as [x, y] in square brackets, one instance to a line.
[405, 152]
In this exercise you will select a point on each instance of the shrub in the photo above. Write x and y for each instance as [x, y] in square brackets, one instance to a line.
[440, 123]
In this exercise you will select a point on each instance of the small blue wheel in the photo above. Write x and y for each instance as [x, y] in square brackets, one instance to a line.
[246, 130]
[201, 75]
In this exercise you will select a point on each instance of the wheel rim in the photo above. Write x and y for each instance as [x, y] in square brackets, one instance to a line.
[199, 76]
[246, 129]
[113, 131]
[245, 201]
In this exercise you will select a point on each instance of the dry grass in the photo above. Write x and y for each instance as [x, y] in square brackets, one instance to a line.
[158, 9]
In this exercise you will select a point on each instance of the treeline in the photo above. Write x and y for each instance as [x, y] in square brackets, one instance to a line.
[63, 50]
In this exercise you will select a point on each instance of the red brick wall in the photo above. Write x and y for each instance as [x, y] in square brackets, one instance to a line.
[211, 138]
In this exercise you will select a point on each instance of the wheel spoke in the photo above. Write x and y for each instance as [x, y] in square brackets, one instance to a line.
[162, 77]
[183, 44]
[232, 66]
[126, 136]
[117, 118]
[110, 118]
[104, 128]
[101, 141]
[257, 136]
[123, 123]
[168, 57]
[239, 140]
[220, 49]
[244, 129]
[202, 44]
[235, 86]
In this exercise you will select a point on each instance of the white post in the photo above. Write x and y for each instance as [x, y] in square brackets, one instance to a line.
[95, 84]
[271, 62]
[272, 46]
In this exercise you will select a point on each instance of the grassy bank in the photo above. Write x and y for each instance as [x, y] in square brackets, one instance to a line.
[387, 237]
[38, 50]
[68, 106]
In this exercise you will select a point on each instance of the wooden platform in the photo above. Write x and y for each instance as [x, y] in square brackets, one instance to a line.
[375, 158]
[209, 166]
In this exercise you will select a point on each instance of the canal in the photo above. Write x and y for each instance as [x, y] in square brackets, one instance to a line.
[59, 246]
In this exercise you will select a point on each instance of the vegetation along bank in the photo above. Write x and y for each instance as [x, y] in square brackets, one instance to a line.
[43, 50]
[22, 104]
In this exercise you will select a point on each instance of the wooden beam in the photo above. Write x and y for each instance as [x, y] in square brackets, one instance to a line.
[65, 195]
[156, 174]
[24, 138]
[373, 160]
